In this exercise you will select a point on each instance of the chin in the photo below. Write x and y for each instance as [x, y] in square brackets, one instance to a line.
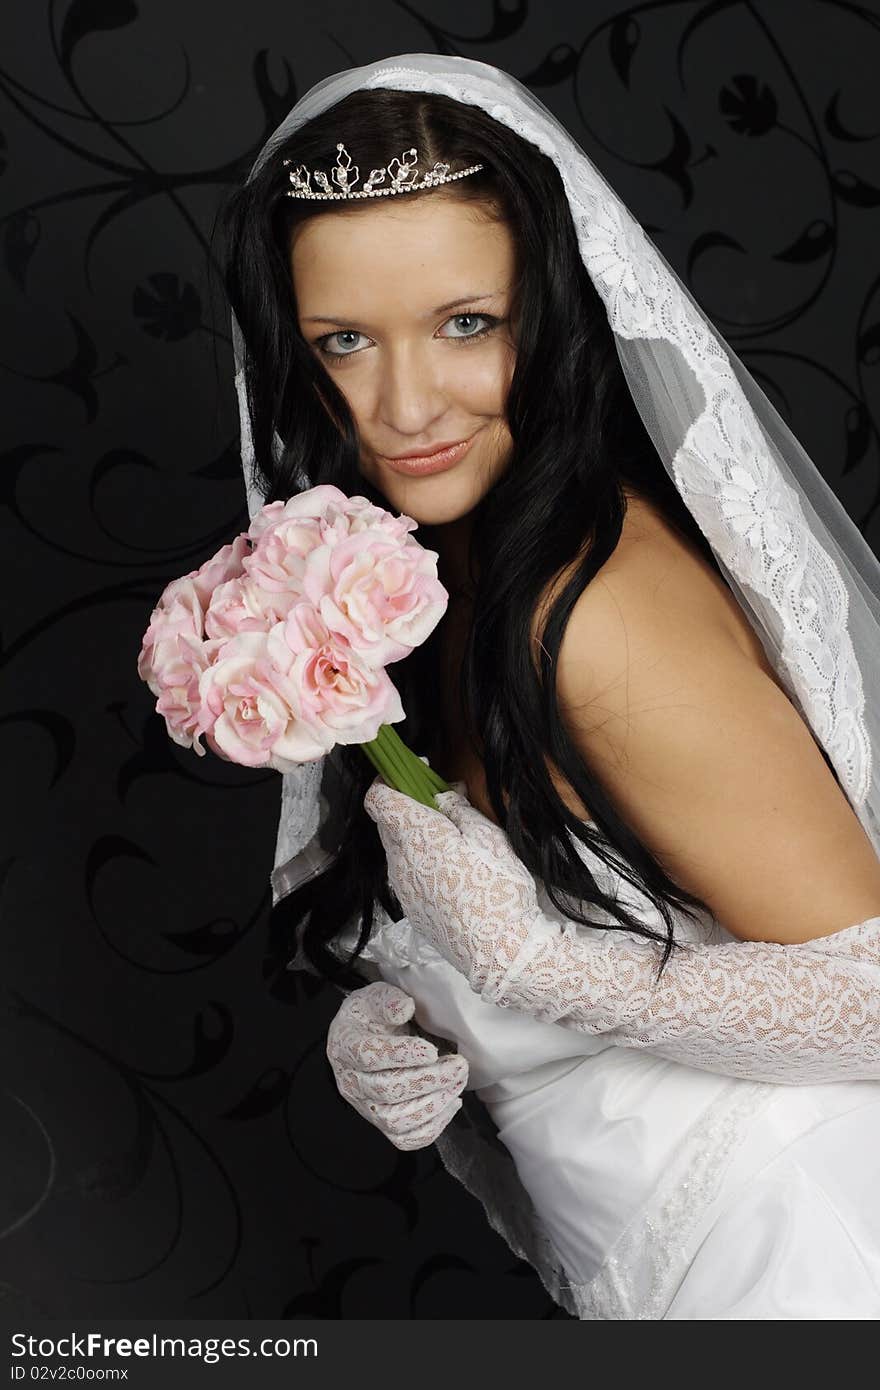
[435, 501]
[437, 516]
[438, 499]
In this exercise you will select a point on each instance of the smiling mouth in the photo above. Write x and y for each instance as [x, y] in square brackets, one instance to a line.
[428, 453]
[415, 465]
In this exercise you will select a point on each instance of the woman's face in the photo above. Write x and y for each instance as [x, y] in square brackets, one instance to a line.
[407, 306]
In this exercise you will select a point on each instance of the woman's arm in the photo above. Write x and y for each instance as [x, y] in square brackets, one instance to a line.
[801, 1013]
[705, 757]
[719, 775]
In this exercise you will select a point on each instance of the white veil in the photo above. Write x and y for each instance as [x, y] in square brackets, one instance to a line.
[797, 564]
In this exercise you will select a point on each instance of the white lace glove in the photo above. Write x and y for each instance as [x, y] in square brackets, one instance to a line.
[393, 1078]
[800, 1013]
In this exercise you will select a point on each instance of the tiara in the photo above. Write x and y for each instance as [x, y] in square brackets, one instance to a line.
[401, 173]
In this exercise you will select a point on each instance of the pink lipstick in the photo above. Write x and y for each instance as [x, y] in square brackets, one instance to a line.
[418, 466]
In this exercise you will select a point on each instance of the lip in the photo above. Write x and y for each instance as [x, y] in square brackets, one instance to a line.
[418, 465]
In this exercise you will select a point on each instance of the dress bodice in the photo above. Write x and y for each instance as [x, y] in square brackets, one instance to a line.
[508, 1052]
[629, 1180]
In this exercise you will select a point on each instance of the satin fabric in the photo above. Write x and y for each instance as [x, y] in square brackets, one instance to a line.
[664, 1191]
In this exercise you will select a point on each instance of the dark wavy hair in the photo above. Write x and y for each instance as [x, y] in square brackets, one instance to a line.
[559, 506]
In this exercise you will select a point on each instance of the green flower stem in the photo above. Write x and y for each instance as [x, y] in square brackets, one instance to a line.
[393, 774]
[402, 769]
[407, 770]
[398, 768]
[436, 780]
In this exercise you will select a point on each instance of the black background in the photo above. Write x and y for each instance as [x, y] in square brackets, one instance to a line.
[173, 1144]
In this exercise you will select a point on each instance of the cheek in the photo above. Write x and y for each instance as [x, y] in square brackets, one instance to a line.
[477, 379]
[358, 392]
[483, 380]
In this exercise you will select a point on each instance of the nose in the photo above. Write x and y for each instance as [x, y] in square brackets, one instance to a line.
[412, 395]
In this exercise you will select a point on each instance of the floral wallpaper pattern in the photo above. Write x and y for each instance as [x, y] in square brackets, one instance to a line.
[173, 1144]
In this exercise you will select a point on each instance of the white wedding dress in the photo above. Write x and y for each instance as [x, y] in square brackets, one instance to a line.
[640, 1187]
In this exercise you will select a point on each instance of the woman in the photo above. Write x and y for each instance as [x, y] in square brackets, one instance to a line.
[614, 649]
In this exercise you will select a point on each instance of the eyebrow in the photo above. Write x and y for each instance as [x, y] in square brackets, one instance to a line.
[441, 308]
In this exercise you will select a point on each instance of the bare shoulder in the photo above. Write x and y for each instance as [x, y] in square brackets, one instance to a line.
[651, 599]
[611, 633]
[655, 588]
[702, 752]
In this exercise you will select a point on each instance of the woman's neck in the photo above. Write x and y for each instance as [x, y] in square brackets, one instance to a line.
[452, 543]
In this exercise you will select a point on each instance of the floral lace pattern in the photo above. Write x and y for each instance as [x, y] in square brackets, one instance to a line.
[723, 469]
[727, 474]
[749, 1034]
[804, 1012]
[644, 1267]
[391, 1076]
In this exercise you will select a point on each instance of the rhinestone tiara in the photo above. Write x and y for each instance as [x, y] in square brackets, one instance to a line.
[401, 175]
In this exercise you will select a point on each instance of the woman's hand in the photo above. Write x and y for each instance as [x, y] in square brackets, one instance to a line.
[456, 878]
[393, 1078]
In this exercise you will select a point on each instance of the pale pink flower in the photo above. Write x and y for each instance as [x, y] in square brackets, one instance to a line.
[179, 701]
[226, 564]
[285, 533]
[268, 513]
[335, 691]
[312, 505]
[275, 648]
[179, 612]
[240, 605]
[384, 598]
[364, 515]
[340, 515]
[251, 711]
[278, 560]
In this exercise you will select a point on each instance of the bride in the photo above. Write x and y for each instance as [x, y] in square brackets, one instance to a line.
[647, 918]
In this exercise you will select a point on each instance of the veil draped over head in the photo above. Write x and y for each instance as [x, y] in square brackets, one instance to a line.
[797, 564]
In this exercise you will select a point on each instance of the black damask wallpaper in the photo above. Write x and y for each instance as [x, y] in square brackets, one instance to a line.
[172, 1140]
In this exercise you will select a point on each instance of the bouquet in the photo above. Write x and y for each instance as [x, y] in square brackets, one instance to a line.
[275, 649]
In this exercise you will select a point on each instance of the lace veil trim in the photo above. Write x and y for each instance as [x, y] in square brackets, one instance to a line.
[795, 562]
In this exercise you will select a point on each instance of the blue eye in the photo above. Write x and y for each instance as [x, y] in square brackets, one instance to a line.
[346, 342]
[487, 318]
[341, 333]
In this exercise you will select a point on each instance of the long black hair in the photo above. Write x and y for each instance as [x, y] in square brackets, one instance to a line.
[577, 439]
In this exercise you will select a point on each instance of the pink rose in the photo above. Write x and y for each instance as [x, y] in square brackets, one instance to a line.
[178, 613]
[275, 649]
[364, 515]
[240, 605]
[316, 502]
[279, 557]
[263, 518]
[312, 505]
[335, 691]
[384, 598]
[226, 564]
[250, 710]
[287, 533]
[179, 702]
